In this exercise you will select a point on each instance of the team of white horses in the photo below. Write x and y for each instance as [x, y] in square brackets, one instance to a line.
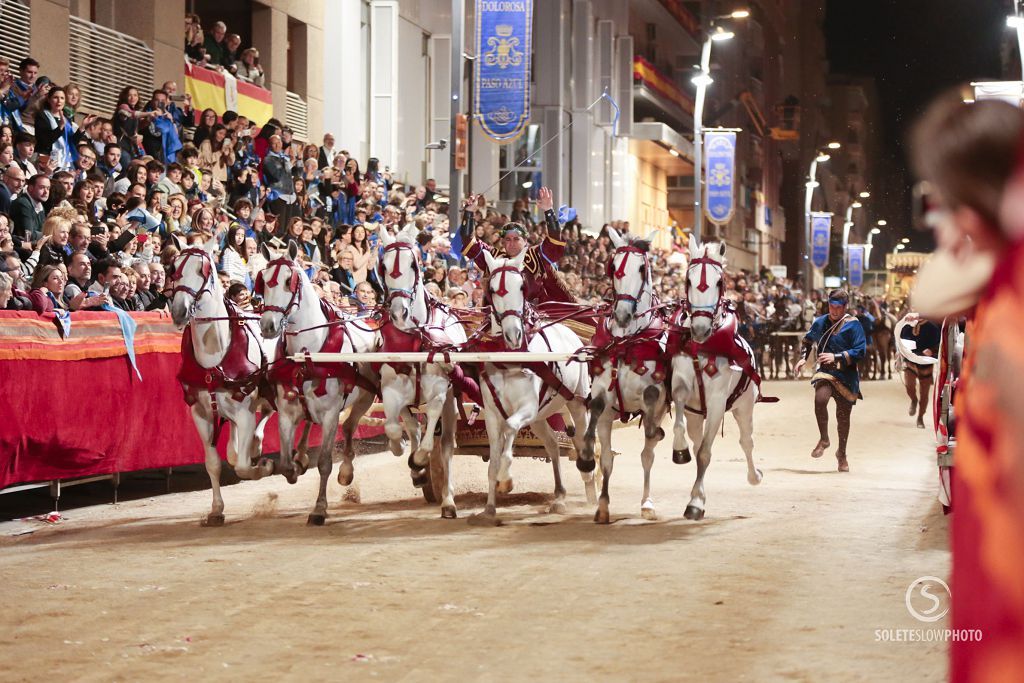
[294, 321]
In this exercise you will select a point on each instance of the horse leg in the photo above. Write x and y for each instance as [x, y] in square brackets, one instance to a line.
[712, 423]
[495, 427]
[587, 457]
[243, 428]
[287, 422]
[681, 390]
[205, 428]
[743, 413]
[449, 424]
[394, 404]
[362, 403]
[654, 413]
[604, 427]
[324, 464]
[435, 391]
[547, 436]
[578, 412]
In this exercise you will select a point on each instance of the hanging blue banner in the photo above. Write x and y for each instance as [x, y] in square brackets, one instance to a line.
[504, 30]
[821, 235]
[720, 151]
[856, 265]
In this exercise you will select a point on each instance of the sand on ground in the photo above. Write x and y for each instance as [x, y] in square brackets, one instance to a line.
[797, 579]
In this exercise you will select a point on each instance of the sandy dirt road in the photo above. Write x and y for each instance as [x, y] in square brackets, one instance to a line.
[785, 581]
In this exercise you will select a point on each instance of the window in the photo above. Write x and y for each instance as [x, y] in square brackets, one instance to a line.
[520, 162]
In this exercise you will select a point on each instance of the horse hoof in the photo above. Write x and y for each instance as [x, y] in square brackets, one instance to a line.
[448, 512]
[602, 517]
[291, 476]
[316, 520]
[485, 458]
[681, 457]
[570, 431]
[213, 520]
[505, 486]
[755, 478]
[648, 514]
[484, 519]
[420, 478]
[693, 512]
[557, 508]
[585, 465]
[345, 476]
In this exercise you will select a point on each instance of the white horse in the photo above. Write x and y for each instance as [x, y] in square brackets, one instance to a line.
[704, 381]
[222, 373]
[516, 395]
[628, 373]
[308, 392]
[418, 321]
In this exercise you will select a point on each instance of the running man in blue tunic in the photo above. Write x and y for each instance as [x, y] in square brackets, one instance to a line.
[841, 344]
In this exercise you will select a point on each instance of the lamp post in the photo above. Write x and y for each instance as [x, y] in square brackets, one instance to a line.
[869, 246]
[847, 227]
[820, 157]
[702, 80]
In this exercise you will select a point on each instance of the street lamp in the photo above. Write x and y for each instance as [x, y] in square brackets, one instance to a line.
[865, 195]
[882, 223]
[847, 227]
[820, 157]
[702, 80]
[898, 248]
[869, 246]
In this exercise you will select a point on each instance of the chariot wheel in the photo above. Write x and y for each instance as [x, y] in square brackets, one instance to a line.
[432, 489]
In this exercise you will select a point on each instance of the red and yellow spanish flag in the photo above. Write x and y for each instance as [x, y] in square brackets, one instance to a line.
[213, 90]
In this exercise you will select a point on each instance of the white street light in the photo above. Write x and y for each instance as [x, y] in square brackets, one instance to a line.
[812, 182]
[905, 240]
[702, 80]
[822, 158]
[674, 152]
[865, 195]
[1015, 22]
[899, 248]
[883, 222]
[834, 145]
[527, 185]
[876, 231]
[856, 205]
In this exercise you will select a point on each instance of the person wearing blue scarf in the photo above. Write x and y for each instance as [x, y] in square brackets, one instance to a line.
[54, 132]
[841, 344]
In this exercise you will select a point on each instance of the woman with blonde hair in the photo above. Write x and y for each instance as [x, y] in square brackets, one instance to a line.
[248, 67]
[202, 221]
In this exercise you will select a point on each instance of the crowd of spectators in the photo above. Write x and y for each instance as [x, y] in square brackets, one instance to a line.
[94, 208]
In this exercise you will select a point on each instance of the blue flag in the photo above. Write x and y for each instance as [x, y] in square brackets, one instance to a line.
[128, 327]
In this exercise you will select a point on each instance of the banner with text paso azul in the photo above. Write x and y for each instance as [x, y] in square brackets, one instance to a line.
[720, 151]
[856, 265]
[821, 235]
[504, 36]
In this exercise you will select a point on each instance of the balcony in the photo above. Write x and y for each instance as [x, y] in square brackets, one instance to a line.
[656, 96]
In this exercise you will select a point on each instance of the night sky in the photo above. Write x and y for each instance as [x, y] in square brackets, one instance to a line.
[916, 50]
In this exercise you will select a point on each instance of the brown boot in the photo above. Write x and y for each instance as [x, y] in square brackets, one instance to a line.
[844, 466]
[819, 450]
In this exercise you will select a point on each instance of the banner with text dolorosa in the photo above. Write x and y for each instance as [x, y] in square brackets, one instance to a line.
[504, 33]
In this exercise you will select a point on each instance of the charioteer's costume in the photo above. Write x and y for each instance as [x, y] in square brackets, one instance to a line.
[838, 380]
[542, 284]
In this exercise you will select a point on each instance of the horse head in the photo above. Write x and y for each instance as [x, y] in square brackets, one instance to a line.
[194, 277]
[507, 286]
[400, 273]
[280, 284]
[629, 269]
[705, 287]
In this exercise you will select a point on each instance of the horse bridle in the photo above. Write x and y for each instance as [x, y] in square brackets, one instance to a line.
[620, 272]
[399, 292]
[503, 290]
[293, 287]
[711, 311]
[207, 273]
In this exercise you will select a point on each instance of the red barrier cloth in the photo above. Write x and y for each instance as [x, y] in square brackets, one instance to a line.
[64, 414]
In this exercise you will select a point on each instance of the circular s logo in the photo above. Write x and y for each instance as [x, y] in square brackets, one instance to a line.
[925, 600]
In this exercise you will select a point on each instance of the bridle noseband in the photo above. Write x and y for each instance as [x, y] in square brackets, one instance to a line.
[620, 273]
[207, 272]
[712, 311]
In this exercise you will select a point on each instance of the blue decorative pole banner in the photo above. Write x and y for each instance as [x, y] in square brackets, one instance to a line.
[856, 252]
[720, 150]
[821, 235]
[504, 35]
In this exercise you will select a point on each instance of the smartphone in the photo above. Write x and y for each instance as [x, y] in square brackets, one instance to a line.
[177, 98]
[44, 160]
[98, 230]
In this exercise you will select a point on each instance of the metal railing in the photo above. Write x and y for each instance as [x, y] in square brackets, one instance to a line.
[297, 117]
[103, 61]
[15, 27]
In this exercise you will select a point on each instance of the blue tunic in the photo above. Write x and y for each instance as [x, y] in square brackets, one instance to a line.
[847, 343]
